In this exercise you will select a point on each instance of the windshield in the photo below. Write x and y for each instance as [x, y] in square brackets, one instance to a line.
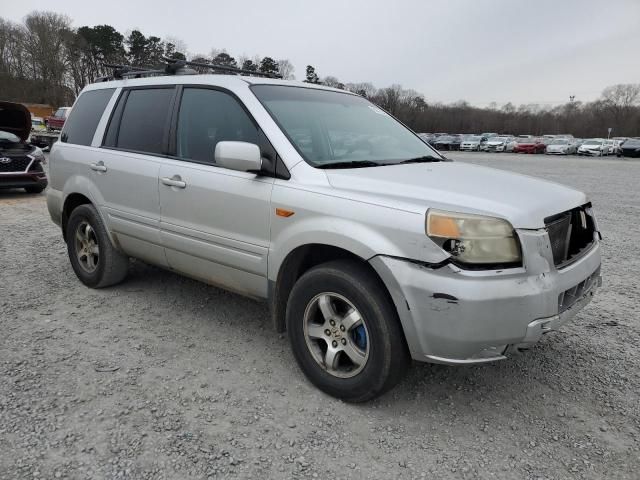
[593, 142]
[329, 127]
[36, 121]
[473, 138]
[560, 141]
[632, 142]
[6, 137]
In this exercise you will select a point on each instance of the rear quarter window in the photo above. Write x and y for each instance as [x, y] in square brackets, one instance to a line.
[85, 116]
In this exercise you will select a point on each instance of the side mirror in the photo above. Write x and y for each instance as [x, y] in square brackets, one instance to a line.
[241, 156]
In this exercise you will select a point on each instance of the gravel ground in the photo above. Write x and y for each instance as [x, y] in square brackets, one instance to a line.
[164, 377]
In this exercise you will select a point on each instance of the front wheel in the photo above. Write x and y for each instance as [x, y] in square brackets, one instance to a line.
[344, 331]
[94, 259]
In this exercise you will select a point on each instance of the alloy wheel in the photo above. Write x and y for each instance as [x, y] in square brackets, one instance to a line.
[336, 335]
[87, 249]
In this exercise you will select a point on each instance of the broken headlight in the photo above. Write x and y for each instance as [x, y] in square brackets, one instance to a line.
[474, 239]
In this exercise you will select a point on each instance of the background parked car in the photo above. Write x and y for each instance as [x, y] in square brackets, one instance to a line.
[630, 148]
[610, 146]
[472, 143]
[561, 146]
[20, 161]
[528, 145]
[56, 121]
[498, 144]
[593, 147]
[37, 125]
[448, 142]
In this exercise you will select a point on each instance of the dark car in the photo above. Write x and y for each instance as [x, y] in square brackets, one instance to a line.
[20, 161]
[630, 148]
[448, 142]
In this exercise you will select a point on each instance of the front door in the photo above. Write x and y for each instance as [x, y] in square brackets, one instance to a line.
[215, 222]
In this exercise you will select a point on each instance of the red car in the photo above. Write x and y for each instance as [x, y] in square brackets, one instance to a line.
[56, 121]
[529, 145]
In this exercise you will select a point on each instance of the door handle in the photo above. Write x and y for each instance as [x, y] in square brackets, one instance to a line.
[98, 167]
[174, 181]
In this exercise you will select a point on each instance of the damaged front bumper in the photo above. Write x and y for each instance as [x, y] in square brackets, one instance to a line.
[456, 317]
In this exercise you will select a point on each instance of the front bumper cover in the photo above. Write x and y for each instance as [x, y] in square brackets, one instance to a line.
[25, 179]
[455, 316]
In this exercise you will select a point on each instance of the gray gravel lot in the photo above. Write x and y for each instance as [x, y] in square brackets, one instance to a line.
[164, 377]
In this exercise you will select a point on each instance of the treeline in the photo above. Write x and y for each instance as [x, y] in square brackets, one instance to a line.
[45, 60]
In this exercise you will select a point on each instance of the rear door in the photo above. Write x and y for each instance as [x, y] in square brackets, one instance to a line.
[127, 171]
[215, 222]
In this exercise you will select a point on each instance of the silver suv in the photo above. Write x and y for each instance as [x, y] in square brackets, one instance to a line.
[369, 247]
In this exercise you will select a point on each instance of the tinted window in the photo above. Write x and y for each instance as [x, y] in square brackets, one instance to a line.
[207, 117]
[84, 118]
[143, 120]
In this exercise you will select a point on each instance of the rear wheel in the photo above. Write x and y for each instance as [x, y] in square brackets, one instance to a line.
[345, 333]
[93, 257]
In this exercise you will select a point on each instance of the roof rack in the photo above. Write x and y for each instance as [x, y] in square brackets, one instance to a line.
[175, 66]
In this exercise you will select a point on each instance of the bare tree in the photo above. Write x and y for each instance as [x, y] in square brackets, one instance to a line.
[285, 68]
[620, 100]
[330, 81]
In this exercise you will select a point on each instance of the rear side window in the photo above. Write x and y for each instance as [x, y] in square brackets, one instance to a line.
[142, 120]
[83, 120]
[207, 117]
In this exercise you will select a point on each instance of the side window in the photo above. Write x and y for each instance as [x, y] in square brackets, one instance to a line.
[142, 122]
[207, 117]
[83, 120]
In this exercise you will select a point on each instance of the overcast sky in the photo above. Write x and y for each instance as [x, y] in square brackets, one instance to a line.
[483, 51]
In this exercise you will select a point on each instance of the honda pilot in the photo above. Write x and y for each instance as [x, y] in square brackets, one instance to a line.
[368, 246]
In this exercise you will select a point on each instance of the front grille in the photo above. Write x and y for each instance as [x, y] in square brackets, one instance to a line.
[571, 234]
[17, 164]
[567, 298]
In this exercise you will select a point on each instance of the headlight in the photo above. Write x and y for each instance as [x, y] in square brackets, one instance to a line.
[474, 239]
[38, 155]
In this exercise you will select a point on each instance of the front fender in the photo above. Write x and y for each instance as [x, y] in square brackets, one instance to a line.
[363, 229]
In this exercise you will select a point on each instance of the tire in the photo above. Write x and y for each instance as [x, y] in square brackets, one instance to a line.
[34, 189]
[109, 265]
[377, 340]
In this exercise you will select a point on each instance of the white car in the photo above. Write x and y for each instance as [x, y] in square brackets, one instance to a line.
[611, 146]
[593, 147]
[498, 144]
[471, 143]
[561, 146]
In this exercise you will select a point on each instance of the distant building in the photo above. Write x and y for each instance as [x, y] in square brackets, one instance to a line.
[41, 110]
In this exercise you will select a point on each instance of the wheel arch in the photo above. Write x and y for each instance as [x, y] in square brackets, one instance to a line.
[296, 263]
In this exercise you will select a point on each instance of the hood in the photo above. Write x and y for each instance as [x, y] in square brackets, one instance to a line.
[16, 119]
[524, 201]
[496, 142]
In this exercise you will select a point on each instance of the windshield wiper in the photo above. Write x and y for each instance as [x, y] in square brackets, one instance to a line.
[352, 164]
[423, 159]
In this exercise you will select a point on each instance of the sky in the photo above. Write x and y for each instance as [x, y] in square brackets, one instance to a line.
[481, 51]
